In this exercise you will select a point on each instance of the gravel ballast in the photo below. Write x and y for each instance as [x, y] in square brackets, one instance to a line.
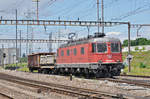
[98, 85]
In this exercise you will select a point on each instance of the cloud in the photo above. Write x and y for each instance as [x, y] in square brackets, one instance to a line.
[113, 33]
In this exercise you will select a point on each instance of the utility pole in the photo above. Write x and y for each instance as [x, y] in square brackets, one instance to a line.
[98, 14]
[59, 33]
[102, 7]
[50, 44]
[88, 28]
[137, 33]
[129, 60]
[27, 40]
[32, 42]
[20, 46]
[16, 39]
[28, 16]
[2, 56]
[37, 5]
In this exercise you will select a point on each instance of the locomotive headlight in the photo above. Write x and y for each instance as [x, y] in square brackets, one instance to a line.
[118, 60]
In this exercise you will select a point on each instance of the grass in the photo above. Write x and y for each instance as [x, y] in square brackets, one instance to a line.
[21, 66]
[140, 65]
[25, 69]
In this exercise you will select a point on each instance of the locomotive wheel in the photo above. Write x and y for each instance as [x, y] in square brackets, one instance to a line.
[44, 71]
[55, 71]
[86, 72]
[39, 71]
[99, 74]
[118, 72]
[30, 70]
[50, 71]
[109, 75]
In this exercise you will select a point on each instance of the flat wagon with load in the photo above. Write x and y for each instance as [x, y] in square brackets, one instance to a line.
[42, 62]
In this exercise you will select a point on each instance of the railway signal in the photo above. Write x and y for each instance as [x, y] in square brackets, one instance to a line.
[129, 59]
[4, 55]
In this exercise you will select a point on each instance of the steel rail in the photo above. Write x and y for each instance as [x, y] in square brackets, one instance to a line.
[128, 81]
[139, 76]
[4, 96]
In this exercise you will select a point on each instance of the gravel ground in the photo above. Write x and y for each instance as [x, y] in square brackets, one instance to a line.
[23, 92]
[98, 85]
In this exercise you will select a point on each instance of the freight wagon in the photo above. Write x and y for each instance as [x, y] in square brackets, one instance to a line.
[43, 62]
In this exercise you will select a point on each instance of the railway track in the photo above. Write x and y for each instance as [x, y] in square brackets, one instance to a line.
[61, 89]
[144, 83]
[139, 76]
[4, 96]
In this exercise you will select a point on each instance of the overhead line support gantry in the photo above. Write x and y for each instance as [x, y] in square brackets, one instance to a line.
[60, 23]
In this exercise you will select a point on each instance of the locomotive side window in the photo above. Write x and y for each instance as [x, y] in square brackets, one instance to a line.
[62, 53]
[101, 47]
[82, 50]
[93, 47]
[115, 47]
[68, 52]
[75, 51]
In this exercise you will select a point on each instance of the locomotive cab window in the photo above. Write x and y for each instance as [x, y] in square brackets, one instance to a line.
[93, 47]
[82, 50]
[68, 52]
[101, 47]
[115, 47]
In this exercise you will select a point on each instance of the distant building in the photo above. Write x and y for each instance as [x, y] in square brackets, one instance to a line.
[133, 48]
[10, 55]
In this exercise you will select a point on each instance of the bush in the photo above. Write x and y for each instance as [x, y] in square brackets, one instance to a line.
[142, 65]
[24, 60]
[143, 48]
[136, 48]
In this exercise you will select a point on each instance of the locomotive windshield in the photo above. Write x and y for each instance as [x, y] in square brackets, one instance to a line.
[115, 47]
[101, 47]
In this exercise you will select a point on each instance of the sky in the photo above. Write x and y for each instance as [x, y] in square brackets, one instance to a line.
[134, 11]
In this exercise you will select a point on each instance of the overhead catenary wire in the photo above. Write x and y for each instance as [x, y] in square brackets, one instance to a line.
[65, 11]
[135, 11]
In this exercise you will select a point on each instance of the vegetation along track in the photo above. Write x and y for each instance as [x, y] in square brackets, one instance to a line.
[61, 89]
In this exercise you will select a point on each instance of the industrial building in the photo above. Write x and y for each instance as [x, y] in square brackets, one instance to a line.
[10, 55]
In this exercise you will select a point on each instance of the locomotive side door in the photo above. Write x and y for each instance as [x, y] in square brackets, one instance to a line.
[91, 51]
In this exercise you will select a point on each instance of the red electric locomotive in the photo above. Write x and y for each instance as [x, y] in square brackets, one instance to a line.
[96, 55]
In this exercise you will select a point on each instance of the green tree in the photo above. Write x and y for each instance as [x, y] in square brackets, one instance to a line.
[141, 41]
[133, 43]
[138, 41]
[125, 43]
